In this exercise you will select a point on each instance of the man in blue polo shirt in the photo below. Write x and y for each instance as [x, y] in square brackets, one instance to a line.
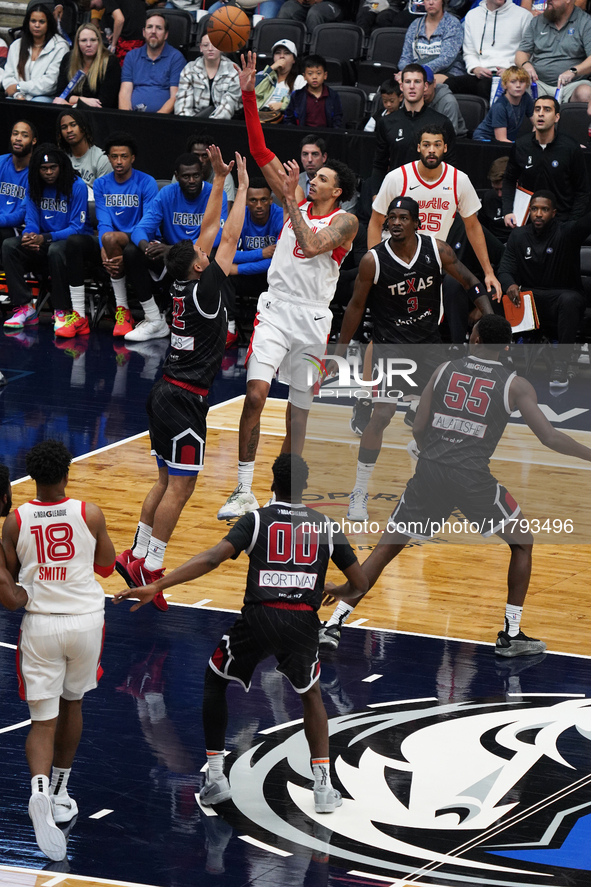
[150, 77]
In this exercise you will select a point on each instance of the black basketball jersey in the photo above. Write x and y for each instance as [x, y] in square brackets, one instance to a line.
[199, 328]
[469, 412]
[289, 547]
[405, 301]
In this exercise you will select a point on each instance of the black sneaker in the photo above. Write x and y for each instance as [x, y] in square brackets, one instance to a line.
[362, 410]
[520, 645]
[330, 637]
[559, 375]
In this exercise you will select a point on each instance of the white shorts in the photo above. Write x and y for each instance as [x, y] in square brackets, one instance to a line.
[290, 338]
[58, 656]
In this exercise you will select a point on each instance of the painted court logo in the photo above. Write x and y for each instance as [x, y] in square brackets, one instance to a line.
[485, 792]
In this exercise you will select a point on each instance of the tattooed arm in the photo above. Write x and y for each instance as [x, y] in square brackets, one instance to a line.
[474, 289]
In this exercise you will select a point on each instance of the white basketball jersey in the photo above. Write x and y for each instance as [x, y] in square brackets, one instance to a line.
[295, 278]
[56, 552]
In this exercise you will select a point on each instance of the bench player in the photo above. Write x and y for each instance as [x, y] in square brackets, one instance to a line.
[52, 545]
[302, 278]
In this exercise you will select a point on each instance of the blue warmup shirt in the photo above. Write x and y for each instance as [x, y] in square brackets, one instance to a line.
[59, 216]
[13, 193]
[253, 240]
[121, 206]
[152, 78]
[175, 217]
[504, 115]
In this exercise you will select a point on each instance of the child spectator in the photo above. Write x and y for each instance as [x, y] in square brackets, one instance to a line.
[316, 104]
[506, 115]
[277, 81]
[391, 98]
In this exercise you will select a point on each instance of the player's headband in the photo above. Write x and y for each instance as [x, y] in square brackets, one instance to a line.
[405, 203]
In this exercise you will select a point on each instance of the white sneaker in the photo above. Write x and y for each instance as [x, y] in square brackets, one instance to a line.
[326, 800]
[358, 506]
[148, 329]
[215, 791]
[50, 838]
[65, 808]
[238, 503]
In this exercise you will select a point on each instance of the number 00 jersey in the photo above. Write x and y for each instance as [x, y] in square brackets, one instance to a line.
[406, 301]
[289, 547]
[470, 410]
[56, 552]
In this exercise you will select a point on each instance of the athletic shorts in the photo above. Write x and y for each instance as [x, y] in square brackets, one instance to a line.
[59, 656]
[291, 636]
[177, 427]
[435, 490]
[291, 338]
[403, 365]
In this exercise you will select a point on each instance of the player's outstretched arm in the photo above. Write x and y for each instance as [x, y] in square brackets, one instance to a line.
[477, 240]
[11, 596]
[210, 224]
[522, 397]
[235, 221]
[463, 275]
[194, 568]
[104, 553]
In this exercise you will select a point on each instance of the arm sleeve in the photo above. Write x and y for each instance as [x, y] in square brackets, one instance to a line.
[343, 555]
[259, 267]
[471, 56]
[103, 217]
[407, 55]
[243, 256]
[451, 44]
[109, 87]
[10, 73]
[32, 217]
[510, 183]
[78, 212]
[150, 222]
[508, 266]
[240, 536]
[183, 104]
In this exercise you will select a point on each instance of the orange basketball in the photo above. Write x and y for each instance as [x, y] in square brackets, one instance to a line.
[228, 28]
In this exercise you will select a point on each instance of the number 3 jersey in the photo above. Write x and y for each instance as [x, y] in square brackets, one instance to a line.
[469, 413]
[405, 301]
[56, 553]
[289, 547]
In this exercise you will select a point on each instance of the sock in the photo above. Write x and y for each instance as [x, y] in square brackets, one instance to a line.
[365, 465]
[120, 290]
[59, 780]
[150, 309]
[321, 771]
[141, 540]
[232, 326]
[340, 614]
[512, 619]
[155, 556]
[40, 783]
[245, 475]
[215, 760]
[78, 300]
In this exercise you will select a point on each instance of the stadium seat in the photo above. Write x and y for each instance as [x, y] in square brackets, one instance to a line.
[354, 103]
[269, 31]
[181, 28]
[385, 45]
[343, 40]
[574, 121]
[371, 75]
[473, 109]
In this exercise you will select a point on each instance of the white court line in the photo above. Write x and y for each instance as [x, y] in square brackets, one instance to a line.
[10, 646]
[373, 877]
[263, 846]
[100, 813]
[371, 678]
[280, 727]
[206, 600]
[403, 701]
[357, 623]
[566, 695]
[15, 727]
[57, 880]
[208, 811]
[70, 877]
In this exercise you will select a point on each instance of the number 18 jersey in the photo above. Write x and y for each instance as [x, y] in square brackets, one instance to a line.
[56, 553]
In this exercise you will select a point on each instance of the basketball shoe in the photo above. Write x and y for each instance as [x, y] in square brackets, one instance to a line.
[238, 503]
[124, 322]
[329, 637]
[122, 561]
[74, 325]
[50, 838]
[24, 315]
[362, 410]
[140, 576]
[520, 645]
[231, 339]
[148, 329]
[215, 790]
[64, 807]
[358, 506]
[59, 320]
[326, 799]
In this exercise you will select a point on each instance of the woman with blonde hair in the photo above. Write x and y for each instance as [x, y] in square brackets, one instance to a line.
[89, 74]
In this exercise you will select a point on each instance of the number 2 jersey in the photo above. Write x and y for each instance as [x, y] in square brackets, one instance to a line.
[56, 553]
[470, 410]
[289, 547]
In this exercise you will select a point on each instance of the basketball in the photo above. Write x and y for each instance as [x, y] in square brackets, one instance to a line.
[228, 28]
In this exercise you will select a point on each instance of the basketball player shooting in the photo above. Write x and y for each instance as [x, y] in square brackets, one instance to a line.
[302, 278]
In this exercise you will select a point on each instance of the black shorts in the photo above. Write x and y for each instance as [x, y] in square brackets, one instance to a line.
[406, 368]
[435, 490]
[261, 631]
[177, 427]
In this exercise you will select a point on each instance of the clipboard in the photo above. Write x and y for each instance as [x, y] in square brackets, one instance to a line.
[521, 203]
[524, 317]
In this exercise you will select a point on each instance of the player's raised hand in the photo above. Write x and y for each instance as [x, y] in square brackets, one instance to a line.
[290, 182]
[145, 593]
[241, 171]
[247, 75]
[217, 162]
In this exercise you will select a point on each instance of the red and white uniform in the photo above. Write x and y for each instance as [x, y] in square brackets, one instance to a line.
[439, 201]
[293, 316]
[62, 631]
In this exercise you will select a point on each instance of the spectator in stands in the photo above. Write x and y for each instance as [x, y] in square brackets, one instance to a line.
[545, 257]
[208, 86]
[491, 214]
[33, 62]
[554, 61]
[175, 214]
[397, 134]
[14, 175]
[550, 160]
[150, 76]
[56, 207]
[493, 31]
[313, 155]
[89, 75]
[378, 14]
[129, 19]
[391, 97]
[439, 97]
[198, 145]
[312, 12]
[316, 104]
[435, 39]
[276, 82]
[504, 119]
[74, 136]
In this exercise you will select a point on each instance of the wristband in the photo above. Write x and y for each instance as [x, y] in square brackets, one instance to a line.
[104, 571]
[256, 140]
[47, 237]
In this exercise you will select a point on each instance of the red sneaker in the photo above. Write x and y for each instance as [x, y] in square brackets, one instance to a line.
[122, 561]
[231, 339]
[74, 326]
[124, 322]
[140, 576]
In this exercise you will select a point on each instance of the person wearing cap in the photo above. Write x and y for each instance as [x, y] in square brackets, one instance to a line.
[440, 98]
[276, 82]
[208, 86]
